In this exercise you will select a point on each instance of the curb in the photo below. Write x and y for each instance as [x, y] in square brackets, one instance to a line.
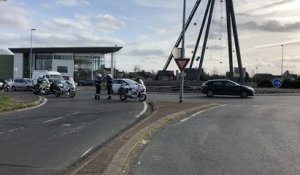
[120, 163]
[35, 104]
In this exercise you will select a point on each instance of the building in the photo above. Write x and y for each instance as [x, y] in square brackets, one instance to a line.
[81, 63]
[6, 64]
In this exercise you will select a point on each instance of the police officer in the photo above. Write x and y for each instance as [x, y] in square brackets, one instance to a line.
[98, 81]
[109, 80]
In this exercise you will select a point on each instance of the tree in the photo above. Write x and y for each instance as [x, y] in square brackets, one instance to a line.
[136, 68]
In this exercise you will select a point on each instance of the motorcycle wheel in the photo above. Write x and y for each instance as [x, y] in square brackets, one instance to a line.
[142, 97]
[57, 94]
[46, 91]
[72, 94]
[123, 97]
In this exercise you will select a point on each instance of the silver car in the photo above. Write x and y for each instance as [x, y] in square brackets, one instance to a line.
[22, 84]
[116, 84]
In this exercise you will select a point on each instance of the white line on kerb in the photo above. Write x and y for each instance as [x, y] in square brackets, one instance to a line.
[85, 153]
[143, 111]
[197, 113]
[58, 118]
[44, 102]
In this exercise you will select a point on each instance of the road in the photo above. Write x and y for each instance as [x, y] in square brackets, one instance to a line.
[48, 139]
[258, 135]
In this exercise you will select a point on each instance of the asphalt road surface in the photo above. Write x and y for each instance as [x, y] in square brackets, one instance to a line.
[49, 139]
[259, 135]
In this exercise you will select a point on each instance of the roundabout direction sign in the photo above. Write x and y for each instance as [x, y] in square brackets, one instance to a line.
[277, 83]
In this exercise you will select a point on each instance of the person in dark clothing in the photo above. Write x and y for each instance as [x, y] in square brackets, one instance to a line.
[109, 80]
[98, 82]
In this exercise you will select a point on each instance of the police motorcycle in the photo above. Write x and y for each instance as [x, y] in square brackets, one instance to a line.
[8, 85]
[137, 91]
[42, 86]
[62, 87]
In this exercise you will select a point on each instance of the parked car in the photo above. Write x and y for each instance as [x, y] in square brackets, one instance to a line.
[226, 87]
[2, 81]
[118, 82]
[85, 83]
[22, 84]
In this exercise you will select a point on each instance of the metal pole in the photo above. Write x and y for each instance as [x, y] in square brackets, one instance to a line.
[182, 54]
[180, 36]
[112, 64]
[31, 57]
[206, 36]
[115, 61]
[200, 33]
[282, 58]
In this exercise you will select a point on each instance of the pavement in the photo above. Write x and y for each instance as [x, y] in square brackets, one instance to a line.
[114, 157]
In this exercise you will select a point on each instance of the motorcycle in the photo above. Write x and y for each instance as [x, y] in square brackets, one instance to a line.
[8, 85]
[138, 91]
[41, 88]
[62, 87]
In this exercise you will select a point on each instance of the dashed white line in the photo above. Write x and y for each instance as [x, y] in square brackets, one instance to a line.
[58, 118]
[197, 113]
[143, 111]
[85, 153]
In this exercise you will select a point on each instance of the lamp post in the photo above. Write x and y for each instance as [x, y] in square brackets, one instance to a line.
[115, 61]
[282, 46]
[31, 57]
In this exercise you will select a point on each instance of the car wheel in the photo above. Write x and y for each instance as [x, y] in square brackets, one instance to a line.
[13, 88]
[28, 88]
[244, 94]
[210, 94]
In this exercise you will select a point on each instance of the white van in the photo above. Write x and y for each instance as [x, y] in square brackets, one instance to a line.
[49, 74]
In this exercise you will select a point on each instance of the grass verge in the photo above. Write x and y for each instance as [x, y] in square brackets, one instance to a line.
[8, 104]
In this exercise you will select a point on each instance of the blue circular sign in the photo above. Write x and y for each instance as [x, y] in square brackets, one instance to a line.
[277, 83]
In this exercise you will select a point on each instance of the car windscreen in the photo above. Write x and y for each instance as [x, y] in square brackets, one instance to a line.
[55, 76]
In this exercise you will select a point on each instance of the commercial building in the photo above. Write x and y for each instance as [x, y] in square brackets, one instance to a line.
[6, 64]
[81, 63]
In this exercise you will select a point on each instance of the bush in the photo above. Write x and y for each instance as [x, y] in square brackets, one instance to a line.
[265, 83]
[291, 84]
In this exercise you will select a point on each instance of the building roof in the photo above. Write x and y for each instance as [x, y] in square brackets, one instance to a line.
[103, 50]
[4, 51]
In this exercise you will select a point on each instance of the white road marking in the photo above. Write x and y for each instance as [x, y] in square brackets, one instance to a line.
[12, 130]
[143, 111]
[197, 113]
[44, 102]
[58, 118]
[85, 153]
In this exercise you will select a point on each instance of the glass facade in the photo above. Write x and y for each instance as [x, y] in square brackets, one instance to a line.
[43, 61]
[87, 65]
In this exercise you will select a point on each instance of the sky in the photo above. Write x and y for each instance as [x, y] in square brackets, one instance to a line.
[268, 30]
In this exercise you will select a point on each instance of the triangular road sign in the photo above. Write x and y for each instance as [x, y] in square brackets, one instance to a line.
[181, 63]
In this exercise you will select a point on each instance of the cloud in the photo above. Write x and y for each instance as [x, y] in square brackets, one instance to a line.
[271, 26]
[146, 52]
[157, 4]
[70, 3]
[14, 16]
[108, 23]
[271, 5]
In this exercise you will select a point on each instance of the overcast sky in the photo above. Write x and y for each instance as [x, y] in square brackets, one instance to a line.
[148, 29]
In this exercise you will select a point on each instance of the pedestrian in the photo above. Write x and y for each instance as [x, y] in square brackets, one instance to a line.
[98, 81]
[109, 80]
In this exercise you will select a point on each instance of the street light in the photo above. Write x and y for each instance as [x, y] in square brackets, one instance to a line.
[31, 57]
[282, 46]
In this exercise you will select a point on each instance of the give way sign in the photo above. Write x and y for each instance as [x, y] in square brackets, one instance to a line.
[181, 63]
